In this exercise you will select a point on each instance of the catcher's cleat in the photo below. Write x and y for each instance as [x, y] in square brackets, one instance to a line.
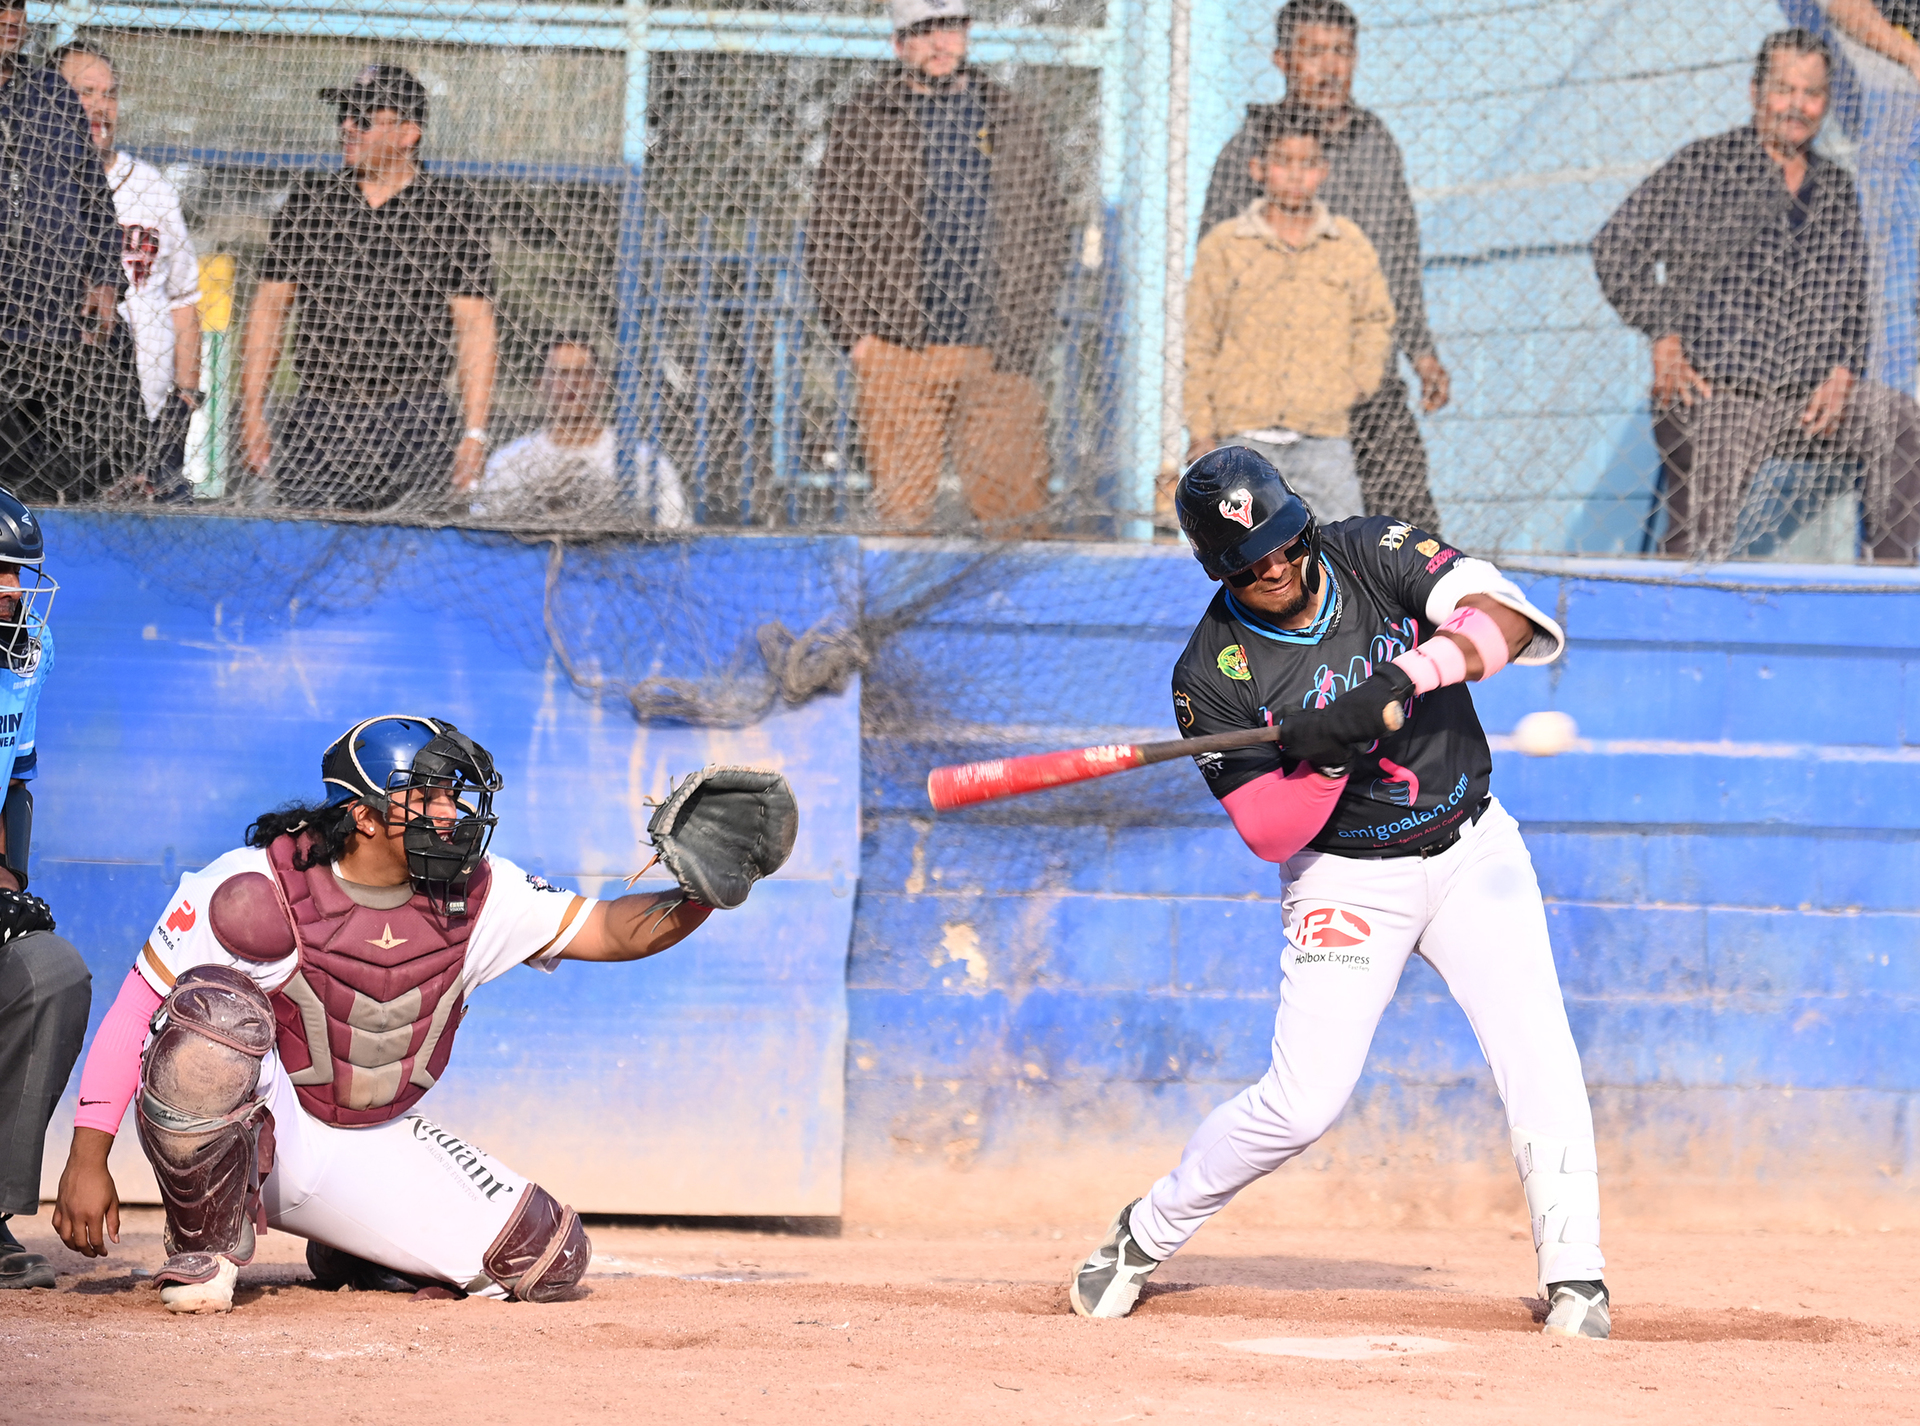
[1578, 1309]
[333, 1269]
[1108, 1283]
[18, 1267]
[198, 1282]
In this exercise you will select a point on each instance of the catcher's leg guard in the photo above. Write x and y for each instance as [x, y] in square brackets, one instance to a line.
[542, 1251]
[206, 1130]
[1562, 1184]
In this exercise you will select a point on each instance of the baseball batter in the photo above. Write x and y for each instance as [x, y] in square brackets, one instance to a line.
[299, 996]
[1358, 640]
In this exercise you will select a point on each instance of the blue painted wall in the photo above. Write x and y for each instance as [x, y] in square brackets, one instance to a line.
[1731, 861]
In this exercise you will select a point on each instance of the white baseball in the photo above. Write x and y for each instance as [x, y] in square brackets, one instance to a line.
[1542, 734]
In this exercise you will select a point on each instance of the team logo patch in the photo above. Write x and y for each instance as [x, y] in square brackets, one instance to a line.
[540, 883]
[183, 918]
[1238, 507]
[1328, 928]
[1183, 708]
[1233, 663]
[1427, 547]
[1395, 536]
[1209, 763]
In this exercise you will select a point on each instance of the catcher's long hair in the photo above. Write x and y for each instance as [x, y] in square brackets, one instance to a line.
[330, 831]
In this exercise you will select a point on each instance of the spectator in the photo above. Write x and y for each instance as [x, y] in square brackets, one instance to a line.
[1288, 323]
[163, 280]
[568, 465]
[937, 243]
[1876, 98]
[1743, 259]
[65, 393]
[395, 281]
[1316, 50]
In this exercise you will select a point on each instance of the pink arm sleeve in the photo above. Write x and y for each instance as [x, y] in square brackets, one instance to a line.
[1276, 816]
[112, 1071]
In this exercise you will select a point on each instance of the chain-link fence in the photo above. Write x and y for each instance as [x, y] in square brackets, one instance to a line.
[1545, 277]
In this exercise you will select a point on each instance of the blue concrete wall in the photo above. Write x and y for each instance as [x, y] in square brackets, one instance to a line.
[1731, 862]
[203, 665]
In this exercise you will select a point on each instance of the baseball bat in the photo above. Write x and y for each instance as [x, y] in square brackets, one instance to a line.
[963, 784]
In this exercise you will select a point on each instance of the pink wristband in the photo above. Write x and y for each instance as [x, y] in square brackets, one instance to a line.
[1435, 664]
[1477, 626]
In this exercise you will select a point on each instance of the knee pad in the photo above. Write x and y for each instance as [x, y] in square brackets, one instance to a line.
[1562, 1184]
[542, 1251]
[201, 1118]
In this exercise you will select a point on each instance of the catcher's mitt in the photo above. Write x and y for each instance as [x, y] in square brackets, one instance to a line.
[723, 829]
[22, 914]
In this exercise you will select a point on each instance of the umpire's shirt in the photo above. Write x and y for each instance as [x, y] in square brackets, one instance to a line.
[1413, 790]
[375, 283]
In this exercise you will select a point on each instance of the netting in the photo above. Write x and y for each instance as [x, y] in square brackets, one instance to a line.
[1543, 277]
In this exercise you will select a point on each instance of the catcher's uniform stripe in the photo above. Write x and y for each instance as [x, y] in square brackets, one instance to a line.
[153, 963]
[566, 922]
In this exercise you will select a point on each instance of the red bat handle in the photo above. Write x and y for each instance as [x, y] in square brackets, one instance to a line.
[951, 787]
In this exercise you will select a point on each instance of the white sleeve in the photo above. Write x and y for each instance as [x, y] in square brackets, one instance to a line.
[183, 938]
[670, 497]
[183, 271]
[524, 919]
[1472, 576]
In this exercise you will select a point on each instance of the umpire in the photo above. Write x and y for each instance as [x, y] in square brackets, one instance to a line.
[45, 988]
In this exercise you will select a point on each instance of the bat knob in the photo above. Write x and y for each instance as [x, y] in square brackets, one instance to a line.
[1394, 715]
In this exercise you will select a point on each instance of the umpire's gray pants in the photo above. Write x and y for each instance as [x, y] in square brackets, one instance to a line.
[45, 994]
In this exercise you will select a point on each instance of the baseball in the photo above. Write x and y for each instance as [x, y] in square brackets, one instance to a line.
[1542, 734]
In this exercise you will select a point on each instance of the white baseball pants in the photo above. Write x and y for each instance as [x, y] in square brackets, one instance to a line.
[405, 1194]
[1474, 912]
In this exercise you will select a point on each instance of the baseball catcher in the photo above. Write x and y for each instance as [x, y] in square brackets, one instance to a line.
[299, 996]
[1358, 640]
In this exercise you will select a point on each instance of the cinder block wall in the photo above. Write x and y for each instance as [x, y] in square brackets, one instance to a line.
[1045, 995]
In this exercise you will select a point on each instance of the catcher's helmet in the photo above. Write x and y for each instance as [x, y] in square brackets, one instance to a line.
[1237, 509]
[23, 547]
[379, 760]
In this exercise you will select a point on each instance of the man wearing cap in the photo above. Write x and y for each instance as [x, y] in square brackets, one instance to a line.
[937, 242]
[394, 278]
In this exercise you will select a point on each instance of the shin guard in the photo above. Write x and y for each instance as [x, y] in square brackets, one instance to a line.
[542, 1251]
[1562, 1184]
[203, 1123]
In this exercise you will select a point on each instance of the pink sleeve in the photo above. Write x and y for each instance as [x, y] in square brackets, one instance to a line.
[1276, 816]
[112, 1072]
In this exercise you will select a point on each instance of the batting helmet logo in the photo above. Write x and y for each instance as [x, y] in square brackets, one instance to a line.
[1238, 507]
[1329, 928]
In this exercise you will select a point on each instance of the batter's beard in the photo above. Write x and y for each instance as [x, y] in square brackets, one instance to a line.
[1293, 608]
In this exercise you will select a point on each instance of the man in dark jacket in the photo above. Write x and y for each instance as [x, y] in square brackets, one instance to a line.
[937, 245]
[1316, 50]
[1744, 260]
[67, 394]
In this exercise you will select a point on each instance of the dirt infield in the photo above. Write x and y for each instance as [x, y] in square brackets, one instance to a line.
[677, 1325]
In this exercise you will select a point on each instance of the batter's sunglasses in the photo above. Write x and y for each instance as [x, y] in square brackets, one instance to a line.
[1292, 554]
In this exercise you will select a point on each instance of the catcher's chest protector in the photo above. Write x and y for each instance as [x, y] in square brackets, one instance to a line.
[366, 1023]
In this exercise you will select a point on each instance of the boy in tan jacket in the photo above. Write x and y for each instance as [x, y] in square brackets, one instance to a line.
[1288, 324]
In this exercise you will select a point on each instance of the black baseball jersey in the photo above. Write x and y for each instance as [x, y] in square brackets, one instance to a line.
[1240, 670]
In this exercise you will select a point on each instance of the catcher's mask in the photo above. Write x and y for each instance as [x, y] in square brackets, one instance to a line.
[426, 776]
[23, 614]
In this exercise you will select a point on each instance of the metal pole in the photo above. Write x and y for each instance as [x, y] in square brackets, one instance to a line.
[1174, 337]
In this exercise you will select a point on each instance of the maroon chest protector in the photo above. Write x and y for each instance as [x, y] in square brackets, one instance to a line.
[366, 1023]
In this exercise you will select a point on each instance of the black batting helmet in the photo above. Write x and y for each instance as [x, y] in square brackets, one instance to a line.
[23, 616]
[1237, 509]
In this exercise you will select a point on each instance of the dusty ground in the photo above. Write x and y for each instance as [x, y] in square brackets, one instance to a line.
[677, 1325]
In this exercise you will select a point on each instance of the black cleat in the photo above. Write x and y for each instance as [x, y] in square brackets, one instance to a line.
[1578, 1309]
[333, 1269]
[18, 1267]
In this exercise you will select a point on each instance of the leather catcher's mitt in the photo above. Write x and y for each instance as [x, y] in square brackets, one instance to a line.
[22, 914]
[723, 829]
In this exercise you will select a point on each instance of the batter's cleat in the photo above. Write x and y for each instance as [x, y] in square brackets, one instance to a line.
[1578, 1309]
[198, 1282]
[1108, 1283]
[18, 1267]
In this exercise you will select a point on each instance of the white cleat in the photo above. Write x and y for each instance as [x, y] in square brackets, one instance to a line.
[1578, 1309]
[1108, 1283]
[209, 1288]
